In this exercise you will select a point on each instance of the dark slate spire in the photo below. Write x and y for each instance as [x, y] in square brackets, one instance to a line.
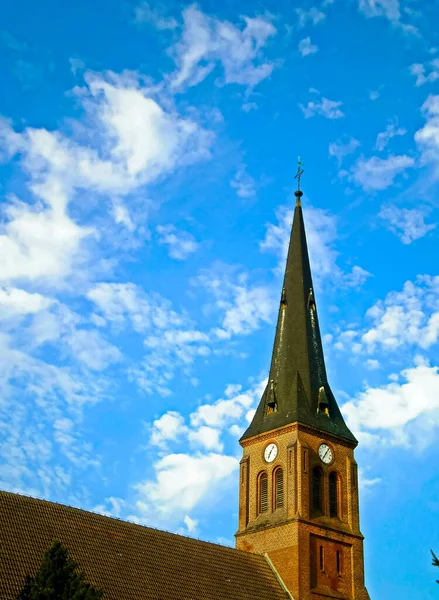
[298, 388]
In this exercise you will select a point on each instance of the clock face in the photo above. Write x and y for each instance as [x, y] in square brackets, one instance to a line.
[325, 453]
[270, 452]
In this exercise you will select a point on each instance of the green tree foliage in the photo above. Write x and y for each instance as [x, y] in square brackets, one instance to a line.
[58, 579]
[435, 562]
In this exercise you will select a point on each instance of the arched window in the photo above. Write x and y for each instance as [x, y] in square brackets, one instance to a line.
[262, 493]
[317, 489]
[278, 488]
[333, 494]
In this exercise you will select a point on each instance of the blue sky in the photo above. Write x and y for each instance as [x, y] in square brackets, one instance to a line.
[147, 156]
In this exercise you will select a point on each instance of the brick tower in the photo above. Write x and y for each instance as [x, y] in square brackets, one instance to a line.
[298, 486]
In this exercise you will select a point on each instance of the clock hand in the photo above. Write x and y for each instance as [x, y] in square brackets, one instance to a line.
[324, 456]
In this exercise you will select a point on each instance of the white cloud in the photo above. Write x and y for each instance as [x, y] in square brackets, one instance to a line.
[365, 482]
[249, 106]
[330, 109]
[207, 422]
[182, 482]
[401, 413]
[243, 183]
[76, 65]
[427, 138]
[91, 349]
[121, 303]
[169, 427]
[139, 142]
[374, 95]
[356, 277]
[148, 141]
[49, 322]
[407, 223]
[170, 341]
[379, 173]
[38, 242]
[224, 411]
[419, 71]
[306, 47]
[112, 507]
[180, 243]
[244, 308]
[17, 302]
[391, 10]
[313, 15]
[41, 405]
[207, 41]
[340, 150]
[384, 137]
[407, 317]
[378, 8]
[122, 216]
[321, 229]
[206, 437]
[191, 524]
[144, 13]
[372, 364]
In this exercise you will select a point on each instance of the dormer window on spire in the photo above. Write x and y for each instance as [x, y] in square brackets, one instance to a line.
[272, 402]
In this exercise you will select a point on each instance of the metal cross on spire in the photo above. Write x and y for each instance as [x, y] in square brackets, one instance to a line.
[299, 173]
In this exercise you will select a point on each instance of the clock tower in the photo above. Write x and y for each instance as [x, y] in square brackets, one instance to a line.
[298, 483]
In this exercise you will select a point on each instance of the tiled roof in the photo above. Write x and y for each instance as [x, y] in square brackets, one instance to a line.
[128, 561]
[297, 372]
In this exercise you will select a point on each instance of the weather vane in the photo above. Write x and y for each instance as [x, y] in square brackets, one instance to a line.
[299, 173]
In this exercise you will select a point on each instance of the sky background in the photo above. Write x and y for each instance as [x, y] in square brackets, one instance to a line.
[147, 161]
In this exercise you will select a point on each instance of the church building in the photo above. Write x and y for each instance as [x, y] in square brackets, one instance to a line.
[298, 534]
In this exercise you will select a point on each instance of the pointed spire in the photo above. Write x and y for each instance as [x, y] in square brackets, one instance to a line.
[298, 388]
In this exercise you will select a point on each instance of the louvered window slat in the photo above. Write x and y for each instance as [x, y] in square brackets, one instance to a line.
[263, 493]
[279, 485]
[316, 490]
[333, 500]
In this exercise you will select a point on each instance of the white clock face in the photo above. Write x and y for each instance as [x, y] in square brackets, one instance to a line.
[325, 453]
[270, 452]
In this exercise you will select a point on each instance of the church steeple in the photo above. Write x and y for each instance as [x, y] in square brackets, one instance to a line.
[298, 388]
[298, 481]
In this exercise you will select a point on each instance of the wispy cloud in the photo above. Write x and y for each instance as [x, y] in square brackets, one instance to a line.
[391, 10]
[381, 8]
[406, 319]
[145, 13]
[243, 307]
[400, 413]
[420, 72]
[145, 142]
[330, 109]
[427, 138]
[379, 173]
[384, 137]
[407, 223]
[312, 15]
[180, 243]
[306, 47]
[207, 41]
[184, 481]
[243, 183]
[340, 150]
